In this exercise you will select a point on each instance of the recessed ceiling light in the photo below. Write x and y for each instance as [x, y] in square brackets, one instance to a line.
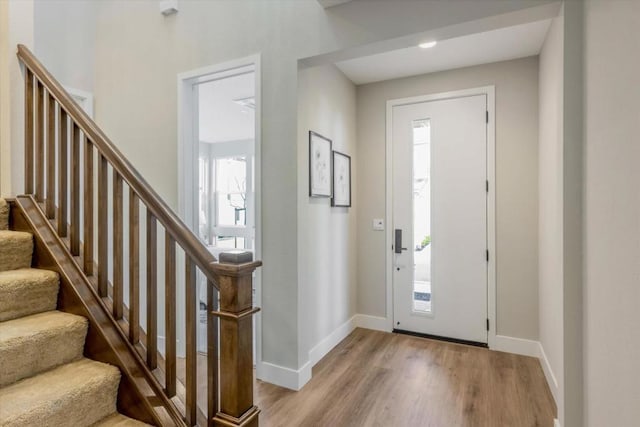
[427, 45]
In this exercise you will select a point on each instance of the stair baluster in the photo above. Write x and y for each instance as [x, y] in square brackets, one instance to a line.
[118, 247]
[134, 268]
[170, 314]
[51, 158]
[87, 238]
[63, 150]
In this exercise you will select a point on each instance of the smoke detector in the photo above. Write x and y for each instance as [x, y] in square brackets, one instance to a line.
[168, 7]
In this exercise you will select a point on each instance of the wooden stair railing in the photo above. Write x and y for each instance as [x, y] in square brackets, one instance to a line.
[76, 174]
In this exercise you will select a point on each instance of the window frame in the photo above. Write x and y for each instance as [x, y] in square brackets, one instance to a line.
[210, 153]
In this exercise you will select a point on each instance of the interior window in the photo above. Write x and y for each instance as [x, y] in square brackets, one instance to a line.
[225, 194]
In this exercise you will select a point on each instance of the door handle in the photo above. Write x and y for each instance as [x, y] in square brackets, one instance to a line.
[398, 242]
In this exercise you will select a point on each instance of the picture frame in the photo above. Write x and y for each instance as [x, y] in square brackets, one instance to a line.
[320, 166]
[341, 180]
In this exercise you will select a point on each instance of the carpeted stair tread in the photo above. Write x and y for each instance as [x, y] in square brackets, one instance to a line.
[76, 394]
[34, 344]
[119, 420]
[16, 248]
[27, 291]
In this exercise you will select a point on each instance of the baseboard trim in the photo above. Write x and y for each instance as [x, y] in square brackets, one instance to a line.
[162, 345]
[514, 345]
[549, 375]
[282, 376]
[372, 322]
[556, 423]
[333, 339]
[533, 349]
[296, 379]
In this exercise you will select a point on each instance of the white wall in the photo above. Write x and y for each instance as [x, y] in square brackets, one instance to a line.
[65, 32]
[326, 235]
[16, 26]
[516, 85]
[550, 206]
[612, 213]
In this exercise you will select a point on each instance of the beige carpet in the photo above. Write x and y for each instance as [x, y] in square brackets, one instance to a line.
[4, 214]
[44, 379]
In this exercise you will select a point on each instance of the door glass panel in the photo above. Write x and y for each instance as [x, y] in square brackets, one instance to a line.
[422, 215]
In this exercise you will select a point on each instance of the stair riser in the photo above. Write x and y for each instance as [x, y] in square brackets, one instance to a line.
[82, 405]
[24, 357]
[23, 293]
[15, 250]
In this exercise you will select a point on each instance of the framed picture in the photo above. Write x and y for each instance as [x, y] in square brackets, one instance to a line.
[341, 180]
[319, 165]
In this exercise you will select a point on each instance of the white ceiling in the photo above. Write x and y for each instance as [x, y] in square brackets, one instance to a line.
[481, 48]
[222, 119]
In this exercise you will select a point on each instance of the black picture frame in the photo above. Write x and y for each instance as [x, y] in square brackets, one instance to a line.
[320, 166]
[341, 180]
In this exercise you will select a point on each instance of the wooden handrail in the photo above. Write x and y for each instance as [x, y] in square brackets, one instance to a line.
[174, 225]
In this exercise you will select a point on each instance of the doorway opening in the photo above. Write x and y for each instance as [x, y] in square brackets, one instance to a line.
[219, 168]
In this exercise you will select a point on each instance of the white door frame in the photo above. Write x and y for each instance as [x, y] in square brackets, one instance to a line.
[187, 159]
[489, 91]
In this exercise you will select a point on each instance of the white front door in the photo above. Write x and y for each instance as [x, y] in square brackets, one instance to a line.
[440, 218]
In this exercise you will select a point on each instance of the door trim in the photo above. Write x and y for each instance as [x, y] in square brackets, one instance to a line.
[187, 161]
[489, 91]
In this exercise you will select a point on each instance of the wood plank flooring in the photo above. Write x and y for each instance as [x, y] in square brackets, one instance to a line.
[382, 379]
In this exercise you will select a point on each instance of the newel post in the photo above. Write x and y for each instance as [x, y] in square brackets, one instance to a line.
[236, 340]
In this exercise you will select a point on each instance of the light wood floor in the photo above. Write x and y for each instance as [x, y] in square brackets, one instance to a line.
[390, 380]
[382, 379]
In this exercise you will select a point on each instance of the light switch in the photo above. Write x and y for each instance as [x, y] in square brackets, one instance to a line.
[378, 224]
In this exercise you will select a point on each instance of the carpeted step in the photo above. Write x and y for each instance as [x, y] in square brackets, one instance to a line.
[34, 344]
[119, 420]
[76, 394]
[4, 214]
[16, 248]
[27, 291]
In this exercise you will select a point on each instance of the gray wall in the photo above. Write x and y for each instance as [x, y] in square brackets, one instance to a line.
[612, 213]
[326, 235]
[572, 213]
[550, 209]
[516, 85]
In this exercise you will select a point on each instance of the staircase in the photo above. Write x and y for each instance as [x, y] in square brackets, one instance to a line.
[44, 378]
[76, 347]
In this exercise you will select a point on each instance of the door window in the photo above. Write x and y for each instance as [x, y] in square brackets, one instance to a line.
[422, 215]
